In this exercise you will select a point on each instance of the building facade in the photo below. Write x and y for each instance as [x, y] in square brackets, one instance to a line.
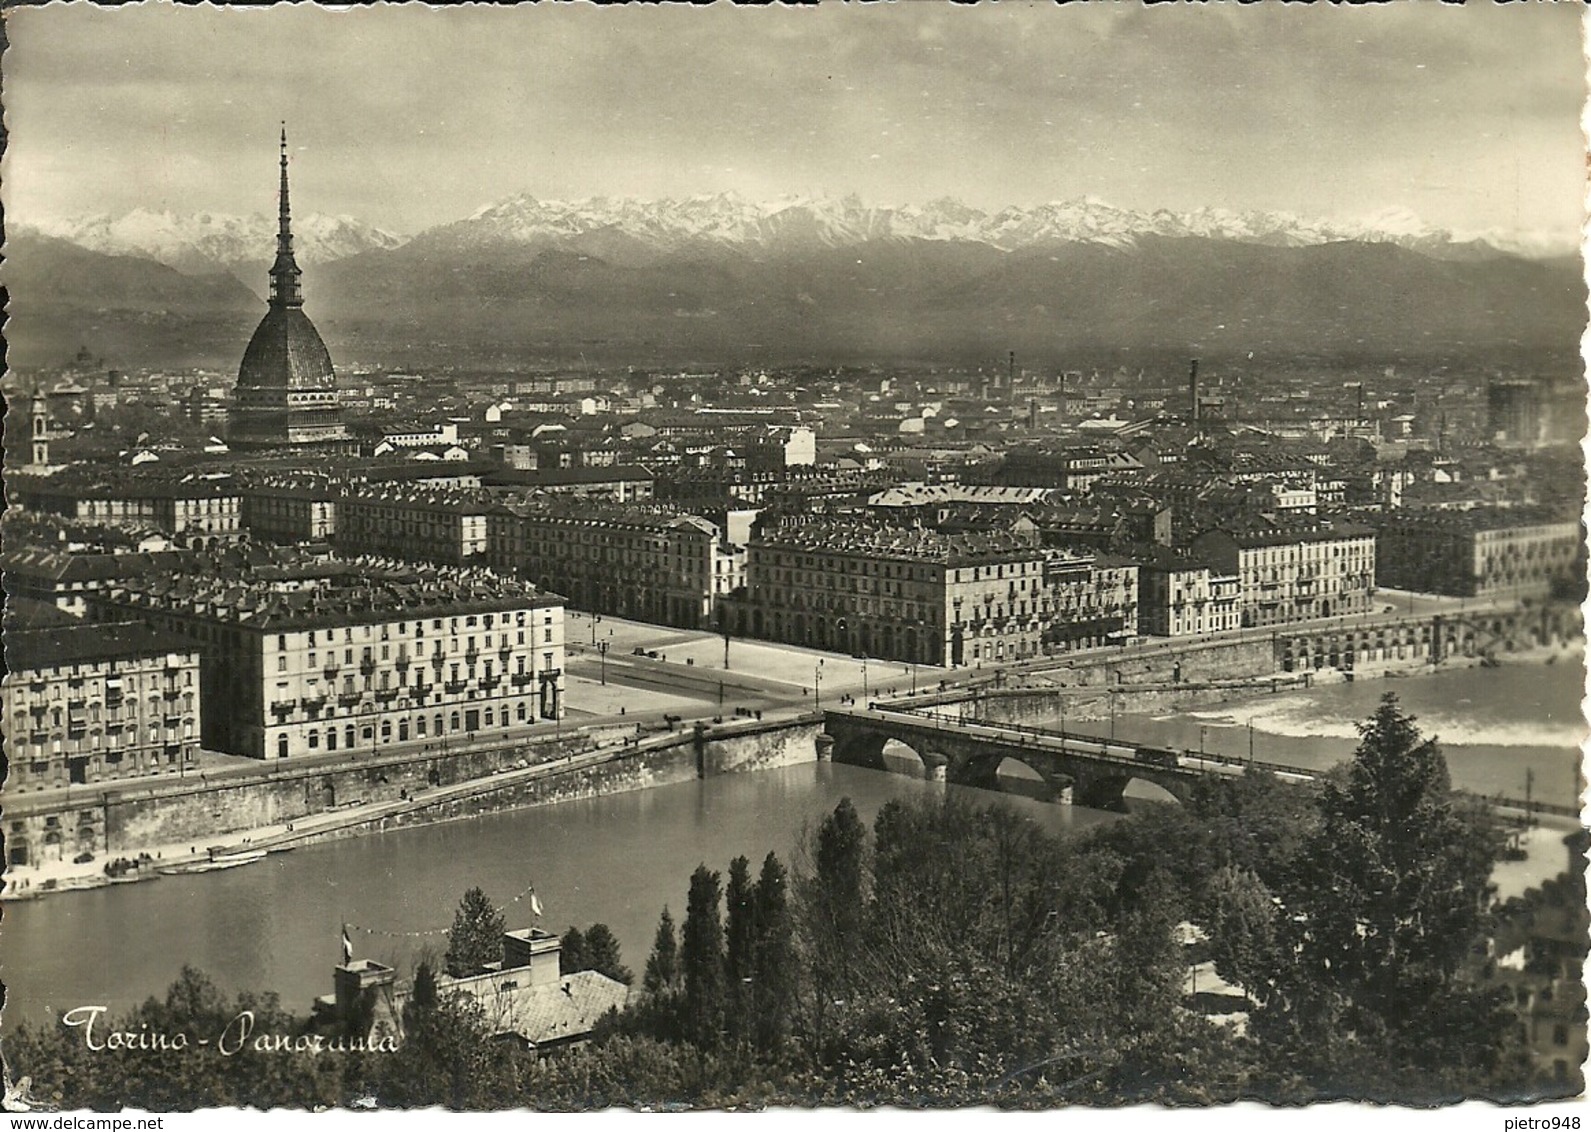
[930, 597]
[196, 512]
[290, 509]
[94, 703]
[1178, 597]
[447, 528]
[360, 659]
[1480, 553]
[1290, 573]
[650, 564]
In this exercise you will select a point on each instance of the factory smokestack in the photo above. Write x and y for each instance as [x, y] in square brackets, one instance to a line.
[1193, 391]
[1010, 370]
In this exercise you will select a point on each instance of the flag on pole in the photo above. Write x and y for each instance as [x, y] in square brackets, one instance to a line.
[535, 904]
[348, 946]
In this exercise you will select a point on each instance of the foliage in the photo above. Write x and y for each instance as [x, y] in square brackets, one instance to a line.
[1388, 898]
[572, 952]
[476, 937]
[67, 1071]
[702, 959]
[603, 956]
[957, 955]
[662, 966]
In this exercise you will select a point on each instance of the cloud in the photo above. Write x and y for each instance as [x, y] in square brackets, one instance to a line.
[411, 115]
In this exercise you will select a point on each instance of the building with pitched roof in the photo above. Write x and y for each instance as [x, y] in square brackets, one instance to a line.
[650, 563]
[357, 655]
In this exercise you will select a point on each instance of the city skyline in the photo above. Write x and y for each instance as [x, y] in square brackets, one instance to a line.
[1339, 116]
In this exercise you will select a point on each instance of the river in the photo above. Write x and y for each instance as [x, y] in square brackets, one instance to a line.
[276, 924]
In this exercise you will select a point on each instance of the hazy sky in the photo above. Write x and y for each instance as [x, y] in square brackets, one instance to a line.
[410, 116]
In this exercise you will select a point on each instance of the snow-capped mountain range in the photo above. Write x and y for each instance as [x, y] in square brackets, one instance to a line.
[628, 230]
[209, 242]
[732, 221]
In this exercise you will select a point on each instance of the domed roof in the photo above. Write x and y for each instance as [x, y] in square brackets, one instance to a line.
[286, 353]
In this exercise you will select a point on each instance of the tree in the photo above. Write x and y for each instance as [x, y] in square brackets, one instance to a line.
[1389, 896]
[662, 973]
[838, 890]
[476, 937]
[1241, 915]
[424, 996]
[602, 954]
[572, 953]
[740, 950]
[773, 967]
[702, 959]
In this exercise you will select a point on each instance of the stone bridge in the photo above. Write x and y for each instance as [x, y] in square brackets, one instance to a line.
[1095, 770]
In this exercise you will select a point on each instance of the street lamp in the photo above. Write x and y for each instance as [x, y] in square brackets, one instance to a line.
[817, 684]
[602, 654]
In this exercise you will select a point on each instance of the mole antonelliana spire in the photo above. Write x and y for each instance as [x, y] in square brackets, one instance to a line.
[286, 395]
[284, 272]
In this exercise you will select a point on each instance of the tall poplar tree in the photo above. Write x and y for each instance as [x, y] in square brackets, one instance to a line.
[702, 959]
[740, 950]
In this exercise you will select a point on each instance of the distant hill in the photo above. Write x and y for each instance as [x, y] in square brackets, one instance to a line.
[834, 280]
[123, 307]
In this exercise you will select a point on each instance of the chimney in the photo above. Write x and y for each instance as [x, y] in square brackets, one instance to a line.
[1010, 370]
[1193, 390]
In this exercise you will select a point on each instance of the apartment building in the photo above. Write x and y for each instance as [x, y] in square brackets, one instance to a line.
[1490, 552]
[87, 703]
[359, 657]
[1294, 572]
[441, 526]
[648, 563]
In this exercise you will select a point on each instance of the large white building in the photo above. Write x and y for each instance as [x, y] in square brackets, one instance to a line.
[358, 656]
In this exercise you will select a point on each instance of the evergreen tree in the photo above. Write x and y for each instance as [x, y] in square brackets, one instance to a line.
[1390, 895]
[702, 959]
[572, 953]
[662, 973]
[839, 890]
[424, 995]
[476, 937]
[740, 951]
[602, 954]
[774, 969]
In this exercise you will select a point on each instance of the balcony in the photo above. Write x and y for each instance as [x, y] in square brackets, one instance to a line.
[284, 708]
[367, 666]
[402, 662]
[454, 687]
[386, 695]
[520, 679]
[330, 672]
[171, 722]
[471, 656]
[313, 704]
[489, 682]
[348, 699]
